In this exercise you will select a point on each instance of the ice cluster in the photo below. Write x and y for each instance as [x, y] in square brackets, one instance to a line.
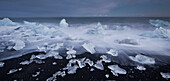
[143, 59]
[158, 33]
[7, 22]
[159, 23]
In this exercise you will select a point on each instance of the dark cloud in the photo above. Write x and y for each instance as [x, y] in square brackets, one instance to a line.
[55, 8]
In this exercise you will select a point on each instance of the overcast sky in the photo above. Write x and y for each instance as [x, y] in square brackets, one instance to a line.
[72, 8]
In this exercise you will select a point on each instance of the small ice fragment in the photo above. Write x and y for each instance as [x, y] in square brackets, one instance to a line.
[107, 75]
[143, 59]
[63, 23]
[41, 56]
[12, 71]
[19, 69]
[89, 47]
[113, 52]
[26, 62]
[99, 65]
[105, 59]
[60, 73]
[19, 44]
[88, 61]
[54, 63]
[69, 56]
[140, 68]
[35, 75]
[71, 52]
[2, 64]
[92, 69]
[165, 75]
[115, 69]
[72, 70]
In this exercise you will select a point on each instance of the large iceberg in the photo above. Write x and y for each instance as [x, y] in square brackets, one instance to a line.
[158, 33]
[7, 22]
[63, 23]
[143, 59]
[159, 23]
[98, 29]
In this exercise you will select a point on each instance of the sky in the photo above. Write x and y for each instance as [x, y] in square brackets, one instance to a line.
[84, 8]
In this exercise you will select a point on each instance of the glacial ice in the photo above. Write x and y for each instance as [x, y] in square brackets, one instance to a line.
[7, 22]
[113, 52]
[142, 59]
[165, 75]
[158, 33]
[2, 64]
[115, 69]
[63, 23]
[129, 41]
[98, 29]
[159, 23]
[19, 44]
[141, 68]
[99, 65]
[89, 47]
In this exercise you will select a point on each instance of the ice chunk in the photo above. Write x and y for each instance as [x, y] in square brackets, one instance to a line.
[54, 63]
[99, 29]
[165, 75]
[26, 62]
[71, 52]
[129, 41]
[113, 52]
[63, 23]
[99, 65]
[105, 59]
[115, 69]
[41, 56]
[7, 22]
[72, 70]
[89, 47]
[107, 75]
[2, 64]
[92, 69]
[143, 59]
[88, 61]
[69, 56]
[81, 62]
[140, 68]
[19, 44]
[159, 23]
[157, 33]
[35, 75]
[12, 71]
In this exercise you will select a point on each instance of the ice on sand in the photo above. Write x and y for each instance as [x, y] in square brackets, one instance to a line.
[7, 22]
[113, 52]
[26, 62]
[141, 68]
[35, 75]
[143, 59]
[59, 73]
[81, 62]
[14, 70]
[2, 64]
[107, 75]
[19, 44]
[88, 61]
[89, 47]
[115, 69]
[105, 59]
[165, 75]
[63, 23]
[99, 65]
